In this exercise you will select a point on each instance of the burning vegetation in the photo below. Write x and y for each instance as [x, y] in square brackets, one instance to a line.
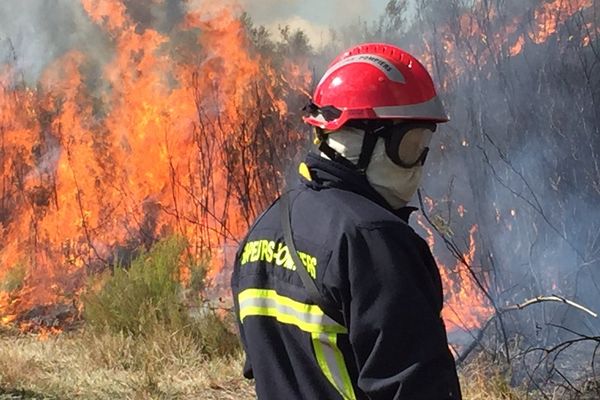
[179, 132]
[182, 118]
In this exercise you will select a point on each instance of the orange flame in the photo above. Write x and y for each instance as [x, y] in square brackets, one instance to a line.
[550, 15]
[149, 147]
[467, 42]
[465, 305]
[142, 152]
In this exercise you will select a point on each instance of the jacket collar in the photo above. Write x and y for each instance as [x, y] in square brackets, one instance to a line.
[326, 173]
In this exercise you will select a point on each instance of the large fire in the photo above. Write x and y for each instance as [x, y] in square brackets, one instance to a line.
[180, 132]
[93, 165]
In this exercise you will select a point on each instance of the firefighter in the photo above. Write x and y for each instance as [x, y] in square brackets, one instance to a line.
[335, 295]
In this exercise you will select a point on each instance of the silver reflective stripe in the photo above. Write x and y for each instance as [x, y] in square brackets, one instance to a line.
[331, 361]
[381, 63]
[308, 317]
[431, 109]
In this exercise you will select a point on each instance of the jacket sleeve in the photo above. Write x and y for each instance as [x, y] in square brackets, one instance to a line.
[392, 309]
[247, 368]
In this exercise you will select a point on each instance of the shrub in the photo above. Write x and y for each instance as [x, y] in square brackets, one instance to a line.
[147, 298]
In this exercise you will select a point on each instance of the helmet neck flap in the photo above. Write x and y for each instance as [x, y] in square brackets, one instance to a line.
[370, 136]
[395, 183]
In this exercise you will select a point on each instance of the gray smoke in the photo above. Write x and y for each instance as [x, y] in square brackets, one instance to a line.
[521, 154]
[315, 18]
[523, 139]
[33, 33]
[332, 13]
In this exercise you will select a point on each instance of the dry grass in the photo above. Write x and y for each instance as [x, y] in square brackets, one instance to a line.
[141, 342]
[481, 379]
[115, 366]
[91, 365]
[165, 365]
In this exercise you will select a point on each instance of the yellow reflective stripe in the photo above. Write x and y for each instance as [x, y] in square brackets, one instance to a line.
[268, 303]
[304, 171]
[343, 371]
[309, 318]
[330, 359]
[286, 301]
[318, 347]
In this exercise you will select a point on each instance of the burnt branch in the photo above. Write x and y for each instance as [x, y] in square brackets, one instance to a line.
[455, 251]
[555, 298]
[539, 299]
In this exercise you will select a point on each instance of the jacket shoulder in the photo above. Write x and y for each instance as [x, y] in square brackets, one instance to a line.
[353, 209]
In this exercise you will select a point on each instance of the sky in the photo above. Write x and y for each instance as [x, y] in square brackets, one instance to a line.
[315, 17]
[40, 30]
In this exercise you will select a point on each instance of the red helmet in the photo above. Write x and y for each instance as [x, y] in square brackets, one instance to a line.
[374, 81]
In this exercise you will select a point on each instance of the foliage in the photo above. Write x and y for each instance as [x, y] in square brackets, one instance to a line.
[148, 297]
[135, 299]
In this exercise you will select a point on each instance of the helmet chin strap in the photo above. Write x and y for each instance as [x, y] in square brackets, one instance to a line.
[366, 151]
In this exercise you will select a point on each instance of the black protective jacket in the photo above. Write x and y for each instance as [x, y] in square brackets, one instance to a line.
[390, 342]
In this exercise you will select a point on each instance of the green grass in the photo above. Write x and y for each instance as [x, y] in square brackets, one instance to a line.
[137, 299]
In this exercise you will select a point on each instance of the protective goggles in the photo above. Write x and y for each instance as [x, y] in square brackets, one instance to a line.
[407, 144]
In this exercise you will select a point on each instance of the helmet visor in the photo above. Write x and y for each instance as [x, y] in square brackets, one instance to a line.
[407, 145]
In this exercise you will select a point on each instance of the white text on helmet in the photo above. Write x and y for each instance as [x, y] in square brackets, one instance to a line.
[377, 61]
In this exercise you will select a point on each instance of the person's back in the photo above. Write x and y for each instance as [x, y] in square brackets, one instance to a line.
[386, 339]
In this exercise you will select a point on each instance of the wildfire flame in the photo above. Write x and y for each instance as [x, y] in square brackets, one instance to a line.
[467, 42]
[471, 41]
[465, 305]
[93, 164]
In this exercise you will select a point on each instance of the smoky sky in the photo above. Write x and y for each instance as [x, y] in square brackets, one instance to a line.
[314, 17]
[35, 32]
[326, 13]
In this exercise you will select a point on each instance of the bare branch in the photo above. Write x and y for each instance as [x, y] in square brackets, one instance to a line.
[540, 299]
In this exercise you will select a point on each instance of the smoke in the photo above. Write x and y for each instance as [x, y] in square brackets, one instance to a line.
[521, 152]
[520, 155]
[328, 14]
[35, 32]
[315, 18]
